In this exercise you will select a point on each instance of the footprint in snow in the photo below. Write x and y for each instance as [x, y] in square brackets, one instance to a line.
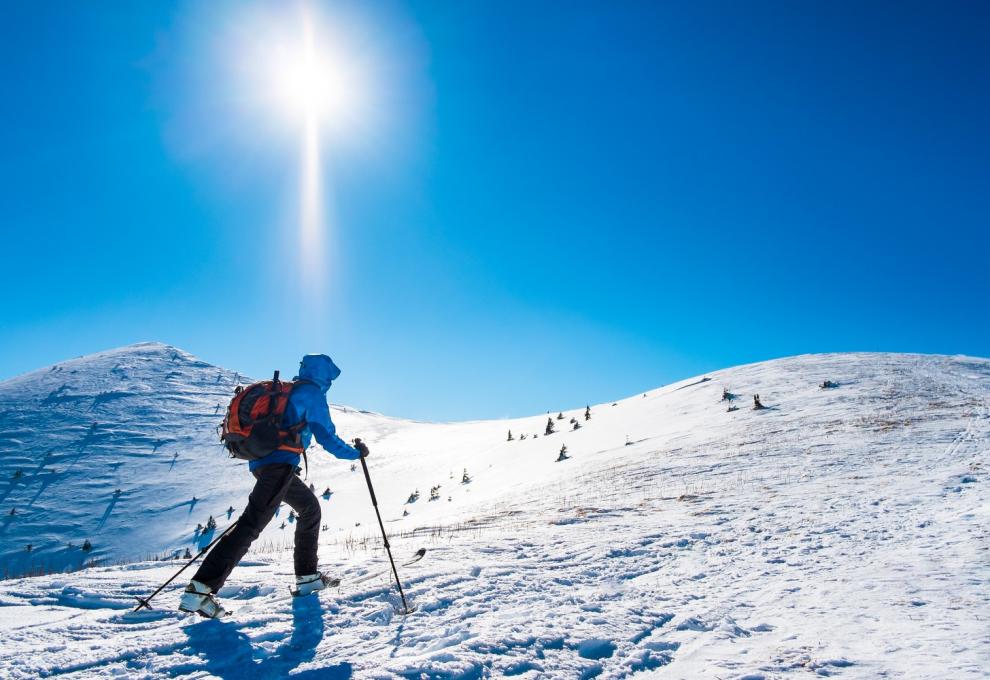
[595, 649]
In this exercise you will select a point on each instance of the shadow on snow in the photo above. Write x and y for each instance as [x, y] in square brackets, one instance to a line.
[229, 653]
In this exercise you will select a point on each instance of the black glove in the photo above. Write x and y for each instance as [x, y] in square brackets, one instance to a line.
[362, 448]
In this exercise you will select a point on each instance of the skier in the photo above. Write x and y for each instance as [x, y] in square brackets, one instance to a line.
[278, 481]
[757, 404]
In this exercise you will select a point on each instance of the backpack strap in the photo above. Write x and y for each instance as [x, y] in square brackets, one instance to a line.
[273, 398]
[298, 427]
[301, 425]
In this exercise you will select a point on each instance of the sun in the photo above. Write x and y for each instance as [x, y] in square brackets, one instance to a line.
[307, 79]
[310, 80]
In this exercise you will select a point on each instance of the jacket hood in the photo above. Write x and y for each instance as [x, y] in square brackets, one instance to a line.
[320, 369]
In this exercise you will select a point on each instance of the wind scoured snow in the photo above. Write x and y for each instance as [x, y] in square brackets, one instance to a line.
[838, 532]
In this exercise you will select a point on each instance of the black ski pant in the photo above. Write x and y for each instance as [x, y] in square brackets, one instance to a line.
[276, 483]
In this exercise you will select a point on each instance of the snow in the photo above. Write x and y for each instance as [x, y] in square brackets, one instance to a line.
[838, 532]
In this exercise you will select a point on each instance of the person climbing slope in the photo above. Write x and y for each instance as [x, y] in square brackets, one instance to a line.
[306, 415]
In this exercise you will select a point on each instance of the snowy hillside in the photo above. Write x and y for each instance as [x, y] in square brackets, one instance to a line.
[839, 531]
[112, 448]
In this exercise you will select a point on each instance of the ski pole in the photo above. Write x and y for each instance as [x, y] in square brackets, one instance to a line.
[388, 548]
[144, 602]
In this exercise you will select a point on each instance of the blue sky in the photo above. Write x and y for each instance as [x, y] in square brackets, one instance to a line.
[543, 205]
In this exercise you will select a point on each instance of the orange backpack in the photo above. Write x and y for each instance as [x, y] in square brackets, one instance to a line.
[252, 428]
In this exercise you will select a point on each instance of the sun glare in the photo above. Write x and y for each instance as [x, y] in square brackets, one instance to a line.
[313, 81]
[303, 76]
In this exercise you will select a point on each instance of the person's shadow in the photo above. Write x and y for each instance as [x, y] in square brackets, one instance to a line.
[229, 653]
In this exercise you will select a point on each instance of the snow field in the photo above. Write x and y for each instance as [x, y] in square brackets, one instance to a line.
[837, 532]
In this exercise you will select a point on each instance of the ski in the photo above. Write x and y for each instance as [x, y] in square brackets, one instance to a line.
[335, 582]
[201, 615]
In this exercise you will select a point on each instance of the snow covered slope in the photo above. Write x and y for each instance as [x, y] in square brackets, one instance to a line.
[120, 448]
[838, 531]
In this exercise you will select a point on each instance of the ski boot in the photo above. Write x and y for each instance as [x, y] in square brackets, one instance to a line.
[312, 583]
[199, 600]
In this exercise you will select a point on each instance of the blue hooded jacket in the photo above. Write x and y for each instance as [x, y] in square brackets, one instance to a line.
[309, 402]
